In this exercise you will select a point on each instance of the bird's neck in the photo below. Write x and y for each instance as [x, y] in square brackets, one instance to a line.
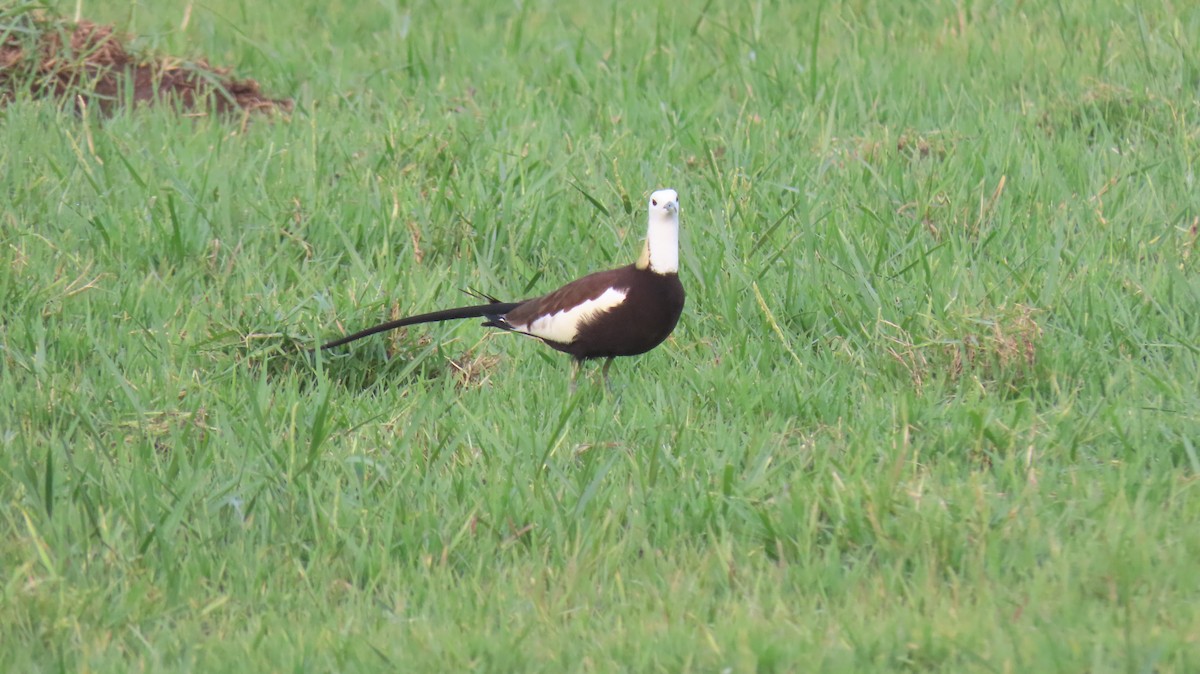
[661, 252]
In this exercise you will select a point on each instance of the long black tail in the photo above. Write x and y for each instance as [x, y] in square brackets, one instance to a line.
[490, 311]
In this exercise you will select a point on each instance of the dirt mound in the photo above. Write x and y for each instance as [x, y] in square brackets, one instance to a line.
[88, 64]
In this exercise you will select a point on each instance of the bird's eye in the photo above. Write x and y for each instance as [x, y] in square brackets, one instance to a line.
[654, 202]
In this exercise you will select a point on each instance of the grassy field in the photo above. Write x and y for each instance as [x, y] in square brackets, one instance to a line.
[933, 405]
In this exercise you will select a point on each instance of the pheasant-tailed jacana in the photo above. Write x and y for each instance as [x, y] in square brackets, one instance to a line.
[620, 312]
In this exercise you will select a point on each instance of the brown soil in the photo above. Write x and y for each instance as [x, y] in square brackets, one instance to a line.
[90, 66]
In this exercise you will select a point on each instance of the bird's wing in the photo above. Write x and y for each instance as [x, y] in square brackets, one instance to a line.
[558, 316]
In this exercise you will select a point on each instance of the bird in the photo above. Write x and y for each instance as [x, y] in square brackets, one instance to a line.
[625, 311]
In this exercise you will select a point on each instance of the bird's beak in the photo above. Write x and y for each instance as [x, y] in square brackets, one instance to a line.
[671, 206]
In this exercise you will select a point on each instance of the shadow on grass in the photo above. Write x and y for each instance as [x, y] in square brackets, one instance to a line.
[282, 355]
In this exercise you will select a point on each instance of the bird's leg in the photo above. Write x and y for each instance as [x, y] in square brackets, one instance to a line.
[604, 373]
[575, 365]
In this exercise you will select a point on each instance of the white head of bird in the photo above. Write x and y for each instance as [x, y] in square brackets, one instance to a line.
[661, 254]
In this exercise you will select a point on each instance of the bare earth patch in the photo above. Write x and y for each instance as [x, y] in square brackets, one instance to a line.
[89, 65]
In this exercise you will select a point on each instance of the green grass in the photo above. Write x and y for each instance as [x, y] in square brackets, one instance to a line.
[933, 405]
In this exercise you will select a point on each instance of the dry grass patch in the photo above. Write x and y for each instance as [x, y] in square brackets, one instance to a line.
[1103, 106]
[883, 144]
[991, 345]
[87, 65]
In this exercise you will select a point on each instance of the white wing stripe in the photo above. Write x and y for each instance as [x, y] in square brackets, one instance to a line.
[563, 326]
